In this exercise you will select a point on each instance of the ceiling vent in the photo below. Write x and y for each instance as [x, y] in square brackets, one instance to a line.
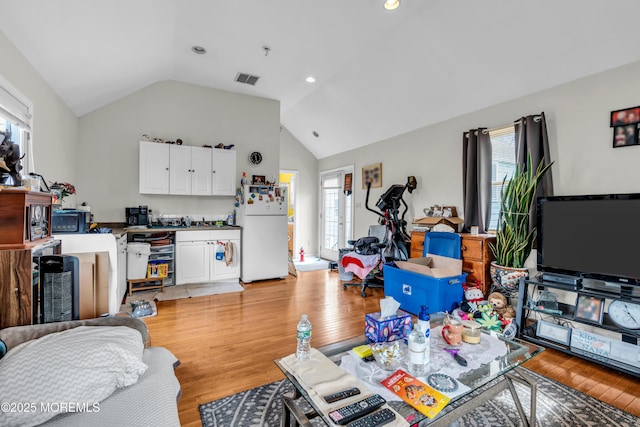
[247, 78]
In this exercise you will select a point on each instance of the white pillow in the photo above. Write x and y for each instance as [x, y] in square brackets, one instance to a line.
[68, 371]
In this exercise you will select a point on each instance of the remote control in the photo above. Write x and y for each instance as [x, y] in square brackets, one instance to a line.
[356, 410]
[376, 419]
[343, 394]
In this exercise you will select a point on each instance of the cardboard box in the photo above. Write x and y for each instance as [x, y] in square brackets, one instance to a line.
[433, 265]
[94, 283]
[387, 329]
[452, 221]
[430, 221]
[433, 281]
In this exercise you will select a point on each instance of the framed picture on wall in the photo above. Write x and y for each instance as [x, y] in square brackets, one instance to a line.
[627, 116]
[257, 179]
[625, 136]
[372, 174]
[348, 180]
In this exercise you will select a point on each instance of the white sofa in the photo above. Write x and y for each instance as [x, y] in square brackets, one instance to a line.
[150, 401]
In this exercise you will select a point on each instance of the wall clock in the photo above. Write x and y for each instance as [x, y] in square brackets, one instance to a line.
[255, 158]
[625, 314]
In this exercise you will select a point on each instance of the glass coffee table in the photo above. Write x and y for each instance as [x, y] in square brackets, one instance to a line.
[480, 384]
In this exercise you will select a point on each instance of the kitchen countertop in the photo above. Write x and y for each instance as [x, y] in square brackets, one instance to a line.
[119, 230]
[161, 229]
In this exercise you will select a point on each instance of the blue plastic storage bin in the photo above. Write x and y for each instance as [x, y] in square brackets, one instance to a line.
[412, 290]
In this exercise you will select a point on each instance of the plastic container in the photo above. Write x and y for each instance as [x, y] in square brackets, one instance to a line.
[345, 276]
[303, 350]
[412, 290]
[137, 260]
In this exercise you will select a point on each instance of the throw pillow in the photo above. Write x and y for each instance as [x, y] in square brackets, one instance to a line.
[68, 371]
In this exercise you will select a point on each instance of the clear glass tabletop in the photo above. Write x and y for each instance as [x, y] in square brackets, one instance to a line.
[517, 352]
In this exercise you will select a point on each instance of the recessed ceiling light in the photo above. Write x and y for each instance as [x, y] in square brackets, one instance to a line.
[199, 50]
[310, 79]
[391, 4]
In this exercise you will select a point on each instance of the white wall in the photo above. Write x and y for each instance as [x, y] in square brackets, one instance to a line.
[109, 144]
[295, 157]
[55, 127]
[579, 136]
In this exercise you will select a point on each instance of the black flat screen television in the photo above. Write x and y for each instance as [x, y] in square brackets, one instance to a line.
[594, 236]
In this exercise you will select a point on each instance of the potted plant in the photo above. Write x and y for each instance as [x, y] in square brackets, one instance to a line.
[514, 239]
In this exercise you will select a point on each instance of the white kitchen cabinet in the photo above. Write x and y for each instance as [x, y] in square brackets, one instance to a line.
[154, 168]
[190, 170]
[184, 170]
[196, 256]
[223, 172]
[201, 171]
[179, 170]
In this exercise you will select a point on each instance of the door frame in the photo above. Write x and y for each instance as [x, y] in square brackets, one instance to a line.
[294, 205]
[345, 170]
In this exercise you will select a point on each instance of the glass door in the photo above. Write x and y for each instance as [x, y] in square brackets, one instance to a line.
[336, 213]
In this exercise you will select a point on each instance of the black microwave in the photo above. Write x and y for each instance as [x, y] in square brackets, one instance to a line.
[69, 221]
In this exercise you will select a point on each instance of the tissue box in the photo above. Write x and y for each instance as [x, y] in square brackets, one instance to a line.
[388, 329]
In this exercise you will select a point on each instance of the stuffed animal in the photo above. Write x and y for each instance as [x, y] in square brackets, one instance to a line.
[473, 294]
[501, 305]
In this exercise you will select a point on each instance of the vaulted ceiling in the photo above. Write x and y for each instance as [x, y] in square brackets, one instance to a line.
[378, 73]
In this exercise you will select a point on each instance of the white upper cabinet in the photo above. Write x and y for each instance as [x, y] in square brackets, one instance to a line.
[154, 168]
[201, 171]
[183, 170]
[224, 172]
[179, 169]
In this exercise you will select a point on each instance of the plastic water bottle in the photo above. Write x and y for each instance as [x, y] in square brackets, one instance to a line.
[417, 348]
[424, 320]
[303, 350]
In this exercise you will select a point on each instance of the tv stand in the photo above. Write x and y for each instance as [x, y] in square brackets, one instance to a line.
[569, 329]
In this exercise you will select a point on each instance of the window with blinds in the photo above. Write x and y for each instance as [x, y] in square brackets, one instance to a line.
[15, 125]
[503, 164]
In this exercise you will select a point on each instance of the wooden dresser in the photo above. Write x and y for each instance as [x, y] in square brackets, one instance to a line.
[476, 256]
[476, 259]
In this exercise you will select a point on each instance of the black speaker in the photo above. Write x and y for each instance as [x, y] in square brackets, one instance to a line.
[59, 288]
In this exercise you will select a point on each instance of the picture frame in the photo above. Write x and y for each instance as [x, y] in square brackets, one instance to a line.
[348, 183]
[626, 136]
[589, 309]
[554, 332]
[372, 173]
[258, 179]
[625, 116]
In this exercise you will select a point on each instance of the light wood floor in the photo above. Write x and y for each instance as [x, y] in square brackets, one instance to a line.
[227, 343]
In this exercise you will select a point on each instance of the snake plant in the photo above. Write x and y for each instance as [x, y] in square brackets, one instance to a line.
[514, 240]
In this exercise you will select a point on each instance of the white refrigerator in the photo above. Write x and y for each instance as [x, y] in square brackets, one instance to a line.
[262, 214]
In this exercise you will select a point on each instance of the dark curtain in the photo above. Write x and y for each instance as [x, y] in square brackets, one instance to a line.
[476, 178]
[532, 139]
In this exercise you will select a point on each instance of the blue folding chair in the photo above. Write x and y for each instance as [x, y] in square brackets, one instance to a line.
[443, 244]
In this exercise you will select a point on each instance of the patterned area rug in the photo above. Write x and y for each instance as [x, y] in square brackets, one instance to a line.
[557, 405]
